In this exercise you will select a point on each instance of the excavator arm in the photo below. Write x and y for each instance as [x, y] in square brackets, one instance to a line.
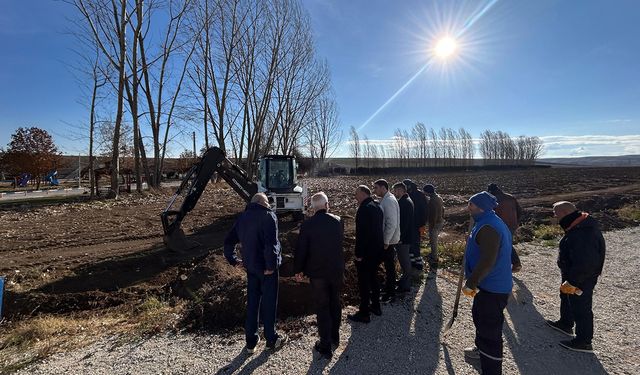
[213, 161]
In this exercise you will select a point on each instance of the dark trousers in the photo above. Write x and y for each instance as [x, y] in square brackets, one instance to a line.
[262, 302]
[368, 285]
[488, 318]
[577, 310]
[415, 247]
[389, 257]
[326, 296]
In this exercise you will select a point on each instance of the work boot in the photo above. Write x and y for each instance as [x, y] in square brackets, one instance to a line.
[472, 353]
[359, 317]
[577, 346]
[560, 327]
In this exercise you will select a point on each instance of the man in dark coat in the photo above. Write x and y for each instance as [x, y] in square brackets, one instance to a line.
[368, 254]
[320, 257]
[257, 231]
[510, 212]
[419, 222]
[581, 258]
[406, 236]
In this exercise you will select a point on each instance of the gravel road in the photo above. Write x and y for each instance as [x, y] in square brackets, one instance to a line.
[407, 338]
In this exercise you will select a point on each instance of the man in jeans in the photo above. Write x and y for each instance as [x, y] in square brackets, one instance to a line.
[257, 232]
[581, 258]
[391, 235]
[320, 256]
[435, 219]
[406, 235]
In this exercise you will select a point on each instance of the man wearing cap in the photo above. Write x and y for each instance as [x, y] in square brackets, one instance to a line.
[419, 222]
[435, 218]
[489, 280]
[510, 212]
[581, 259]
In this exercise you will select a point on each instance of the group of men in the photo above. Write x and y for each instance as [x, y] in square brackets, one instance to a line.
[392, 226]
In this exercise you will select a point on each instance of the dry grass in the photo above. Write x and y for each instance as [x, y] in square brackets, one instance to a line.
[27, 341]
[630, 212]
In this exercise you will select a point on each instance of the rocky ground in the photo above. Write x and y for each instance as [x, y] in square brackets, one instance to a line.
[408, 337]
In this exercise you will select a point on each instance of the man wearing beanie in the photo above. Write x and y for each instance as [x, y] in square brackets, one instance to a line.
[435, 218]
[581, 258]
[419, 222]
[489, 280]
[510, 212]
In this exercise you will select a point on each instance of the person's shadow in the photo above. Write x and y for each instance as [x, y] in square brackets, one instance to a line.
[534, 345]
[405, 339]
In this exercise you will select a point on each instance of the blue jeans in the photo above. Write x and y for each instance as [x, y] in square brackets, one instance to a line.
[262, 302]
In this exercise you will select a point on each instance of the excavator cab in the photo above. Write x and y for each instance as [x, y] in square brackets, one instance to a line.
[278, 178]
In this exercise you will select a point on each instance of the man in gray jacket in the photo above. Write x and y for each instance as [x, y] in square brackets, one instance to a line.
[391, 236]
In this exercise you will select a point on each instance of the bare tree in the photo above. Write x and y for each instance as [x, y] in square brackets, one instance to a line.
[354, 145]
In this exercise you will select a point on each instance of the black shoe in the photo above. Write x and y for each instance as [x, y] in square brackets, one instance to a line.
[377, 311]
[335, 345]
[387, 298]
[560, 328]
[324, 353]
[577, 346]
[359, 317]
[279, 343]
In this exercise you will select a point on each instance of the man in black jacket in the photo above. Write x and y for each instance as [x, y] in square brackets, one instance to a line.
[419, 200]
[581, 258]
[368, 254]
[406, 236]
[319, 255]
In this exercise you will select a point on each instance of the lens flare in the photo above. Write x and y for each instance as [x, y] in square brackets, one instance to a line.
[445, 47]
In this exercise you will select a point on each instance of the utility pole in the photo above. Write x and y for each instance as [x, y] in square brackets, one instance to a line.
[79, 171]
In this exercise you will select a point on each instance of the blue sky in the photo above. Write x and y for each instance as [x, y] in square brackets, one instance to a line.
[565, 70]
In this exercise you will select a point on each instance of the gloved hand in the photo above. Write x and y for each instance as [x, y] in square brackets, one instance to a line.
[423, 230]
[567, 288]
[469, 292]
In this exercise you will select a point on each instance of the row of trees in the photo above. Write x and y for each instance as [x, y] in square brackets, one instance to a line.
[421, 146]
[245, 72]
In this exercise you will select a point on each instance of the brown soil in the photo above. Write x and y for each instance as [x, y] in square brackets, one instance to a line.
[88, 256]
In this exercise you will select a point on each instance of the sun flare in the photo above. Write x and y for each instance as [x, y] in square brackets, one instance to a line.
[445, 47]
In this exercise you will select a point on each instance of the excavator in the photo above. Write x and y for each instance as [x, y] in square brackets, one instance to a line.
[277, 178]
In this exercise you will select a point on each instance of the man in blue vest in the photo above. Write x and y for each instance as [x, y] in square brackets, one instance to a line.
[489, 280]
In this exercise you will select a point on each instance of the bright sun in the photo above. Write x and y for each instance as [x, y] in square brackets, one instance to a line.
[445, 47]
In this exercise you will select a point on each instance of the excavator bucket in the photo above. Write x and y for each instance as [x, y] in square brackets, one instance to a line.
[176, 241]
